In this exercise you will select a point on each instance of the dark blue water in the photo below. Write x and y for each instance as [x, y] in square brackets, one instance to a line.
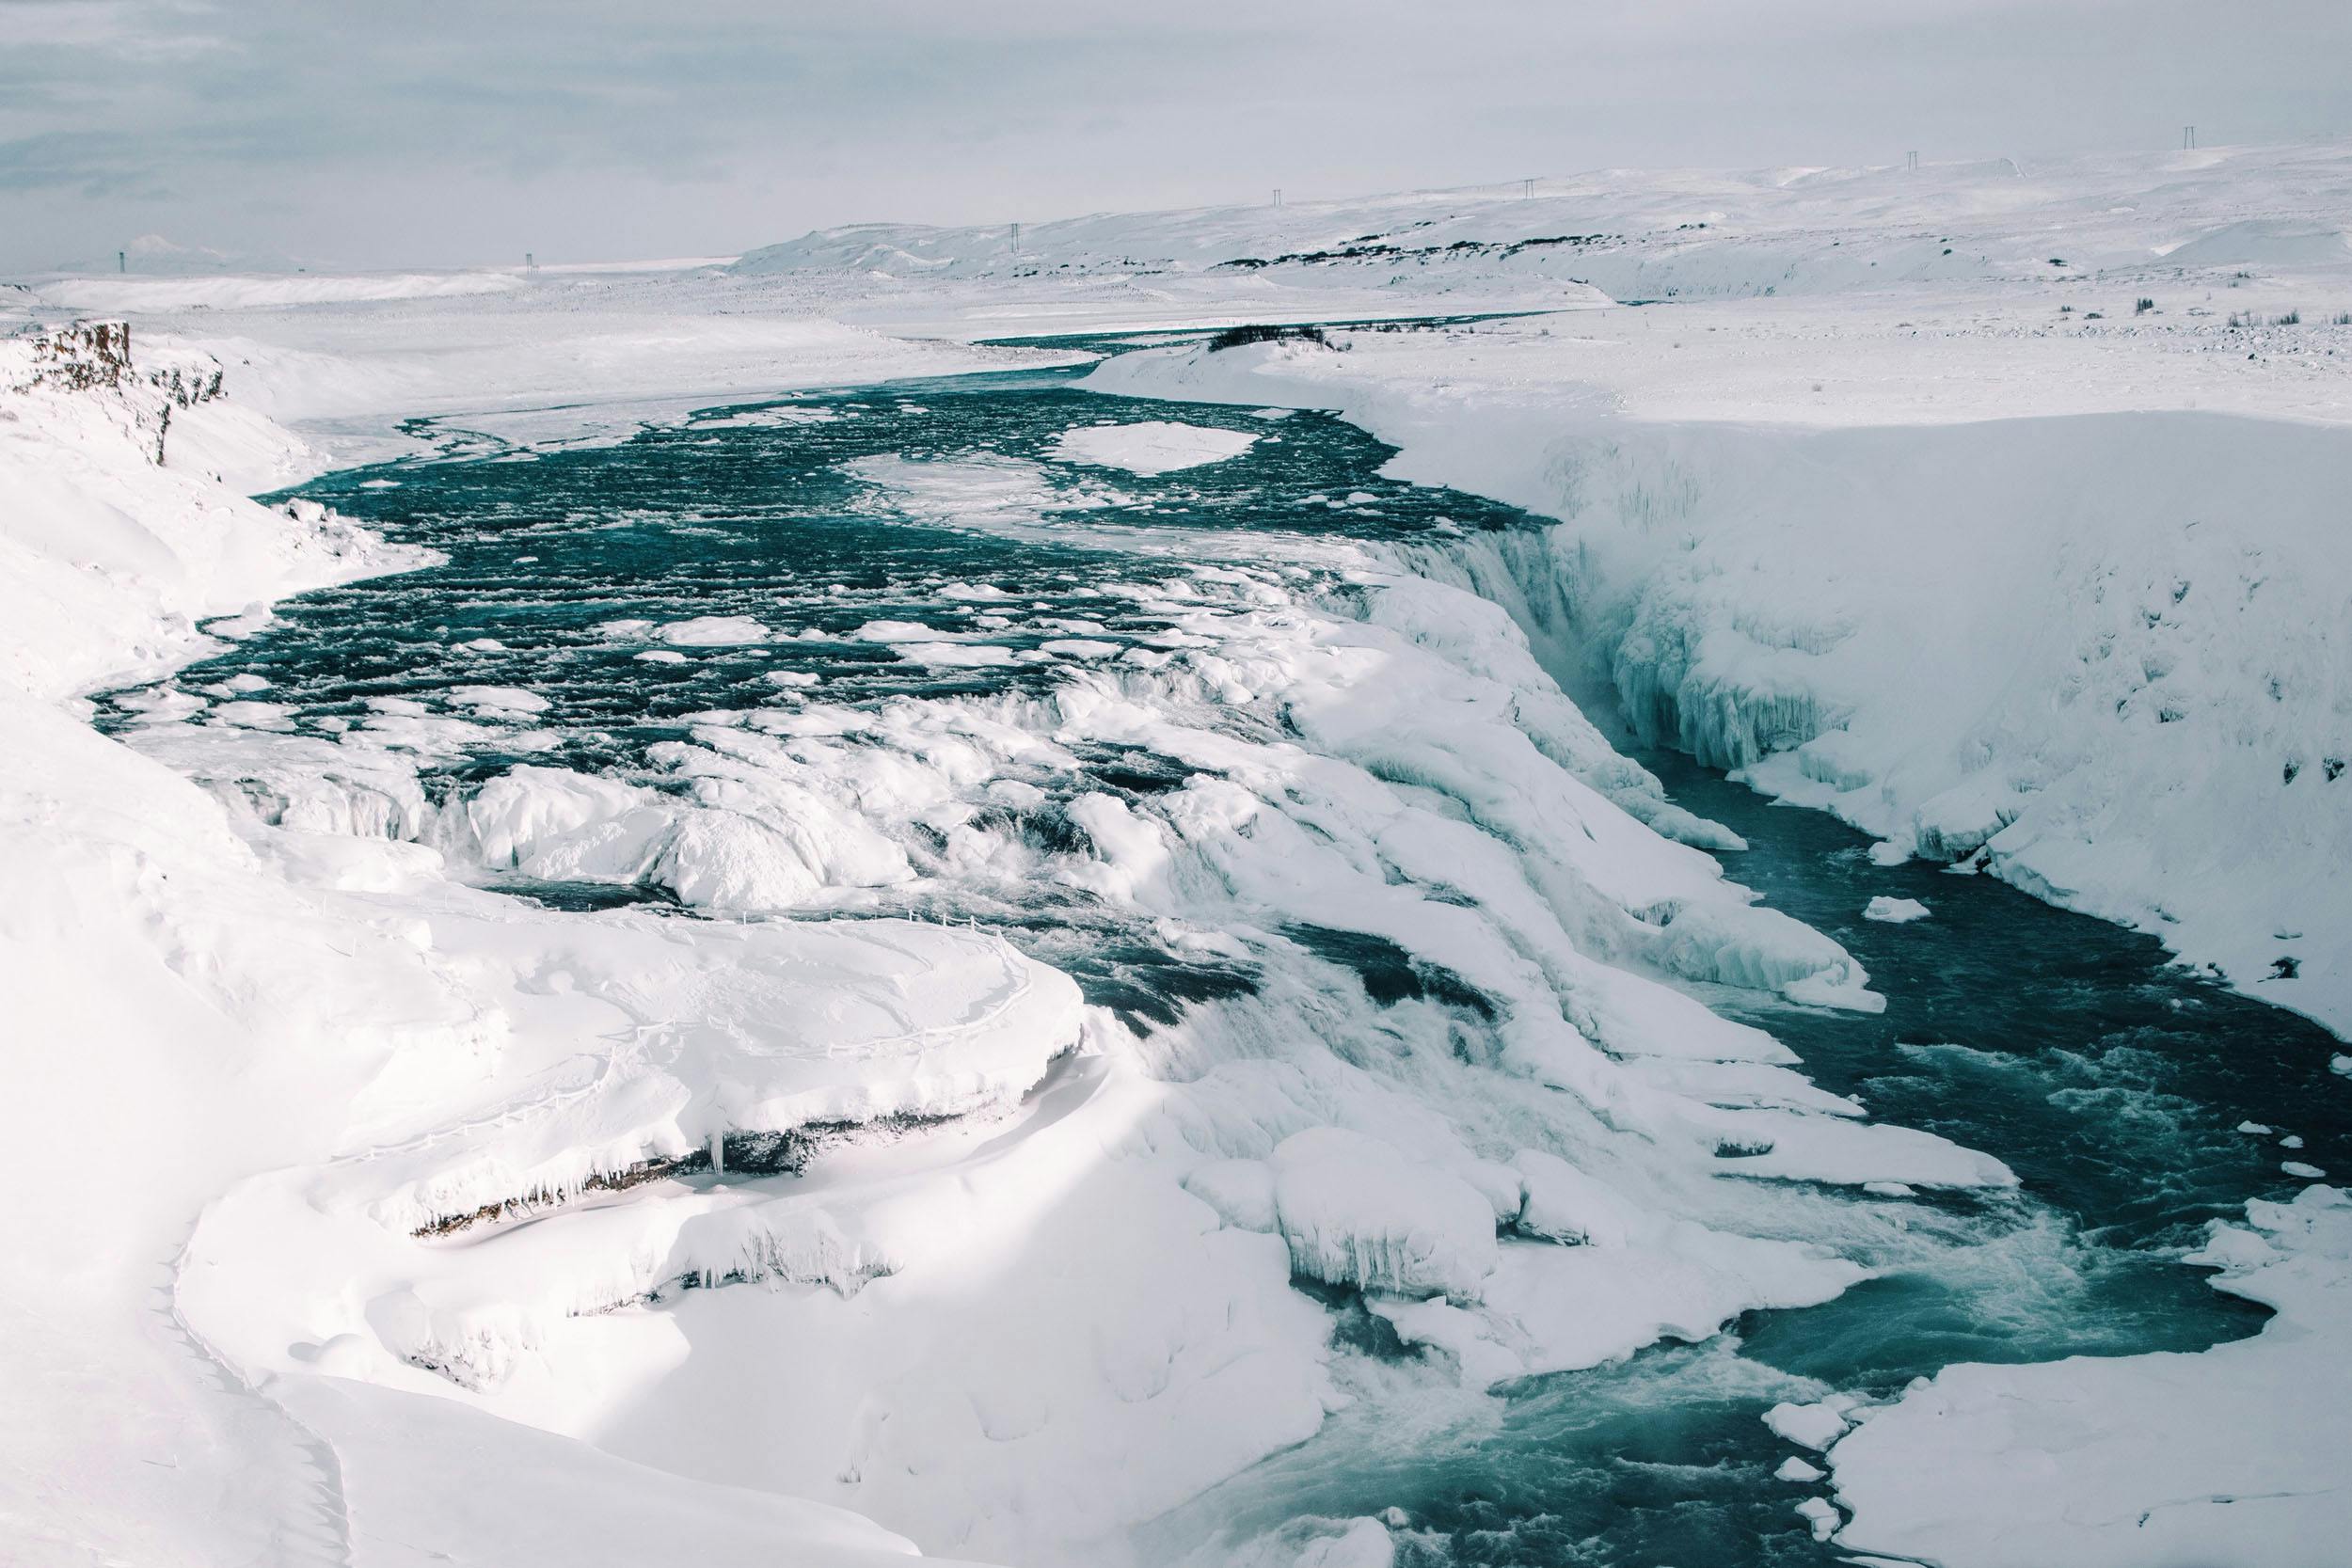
[2109, 1080]
[770, 521]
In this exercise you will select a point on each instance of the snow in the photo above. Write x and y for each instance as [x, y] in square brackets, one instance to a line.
[2231, 1456]
[264, 1003]
[1150, 446]
[713, 632]
[528, 358]
[477, 1214]
[1811, 1426]
[139, 295]
[1894, 911]
[1850, 544]
[1858, 512]
[1358, 1212]
[2125, 713]
[1820, 1515]
[954, 656]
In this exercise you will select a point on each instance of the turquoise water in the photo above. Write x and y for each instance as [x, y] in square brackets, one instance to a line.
[2111, 1081]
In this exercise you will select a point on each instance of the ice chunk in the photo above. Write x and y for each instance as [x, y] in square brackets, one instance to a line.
[1358, 1211]
[1565, 1308]
[1566, 1204]
[723, 859]
[557, 825]
[1761, 949]
[1241, 1192]
[1956, 824]
[714, 631]
[1894, 911]
[1812, 1426]
[1468, 1340]
[1149, 447]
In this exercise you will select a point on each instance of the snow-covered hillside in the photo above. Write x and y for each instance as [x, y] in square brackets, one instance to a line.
[1674, 234]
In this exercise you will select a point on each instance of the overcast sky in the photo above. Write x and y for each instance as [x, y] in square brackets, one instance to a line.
[388, 133]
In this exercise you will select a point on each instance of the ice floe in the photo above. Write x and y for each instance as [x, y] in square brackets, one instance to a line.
[1151, 446]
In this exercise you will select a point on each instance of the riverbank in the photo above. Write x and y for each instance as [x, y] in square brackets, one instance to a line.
[2094, 656]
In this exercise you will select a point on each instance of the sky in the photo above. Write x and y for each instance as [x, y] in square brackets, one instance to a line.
[446, 133]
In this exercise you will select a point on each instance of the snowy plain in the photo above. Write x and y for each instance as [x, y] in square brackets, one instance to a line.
[1887, 496]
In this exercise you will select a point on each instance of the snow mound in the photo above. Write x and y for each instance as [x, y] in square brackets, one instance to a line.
[2265, 241]
[1761, 949]
[1358, 1211]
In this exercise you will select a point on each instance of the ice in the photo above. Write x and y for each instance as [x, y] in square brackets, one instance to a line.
[1894, 910]
[305, 1030]
[1742, 593]
[1358, 1211]
[1811, 1426]
[955, 656]
[1572, 1307]
[1566, 1205]
[713, 632]
[1241, 1192]
[1763, 950]
[599, 1058]
[499, 701]
[1151, 446]
[2232, 1455]
[896, 631]
[557, 825]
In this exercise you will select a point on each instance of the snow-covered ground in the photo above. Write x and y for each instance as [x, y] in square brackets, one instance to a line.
[1894, 497]
[191, 1009]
